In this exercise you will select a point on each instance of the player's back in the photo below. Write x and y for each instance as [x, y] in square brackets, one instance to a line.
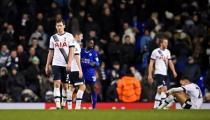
[194, 92]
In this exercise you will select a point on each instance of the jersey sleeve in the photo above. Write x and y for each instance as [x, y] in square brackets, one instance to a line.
[153, 55]
[169, 55]
[71, 41]
[51, 45]
[77, 49]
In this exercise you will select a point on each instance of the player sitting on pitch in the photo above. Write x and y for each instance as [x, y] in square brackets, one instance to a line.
[189, 95]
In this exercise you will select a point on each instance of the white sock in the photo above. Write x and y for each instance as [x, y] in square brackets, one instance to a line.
[170, 104]
[57, 97]
[79, 99]
[157, 100]
[63, 103]
[163, 97]
[167, 101]
[69, 94]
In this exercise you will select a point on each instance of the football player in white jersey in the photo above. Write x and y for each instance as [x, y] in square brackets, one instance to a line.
[161, 58]
[60, 43]
[189, 95]
[76, 75]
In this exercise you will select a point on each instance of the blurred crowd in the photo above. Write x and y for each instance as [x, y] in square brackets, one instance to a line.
[125, 32]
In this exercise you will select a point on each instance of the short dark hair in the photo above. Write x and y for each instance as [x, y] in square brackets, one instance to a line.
[161, 38]
[185, 77]
[77, 33]
[90, 39]
[60, 20]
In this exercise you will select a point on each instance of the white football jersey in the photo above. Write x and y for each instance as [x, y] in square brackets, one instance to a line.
[65, 41]
[161, 58]
[77, 51]
[194, 93]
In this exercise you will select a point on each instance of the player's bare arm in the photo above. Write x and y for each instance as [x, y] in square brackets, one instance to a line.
[171, 65]
[150, 69]
[49, 61]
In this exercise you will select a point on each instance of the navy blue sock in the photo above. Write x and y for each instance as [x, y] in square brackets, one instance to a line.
[94, 99]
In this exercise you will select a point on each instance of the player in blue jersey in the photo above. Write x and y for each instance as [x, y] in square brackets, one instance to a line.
[89, 62]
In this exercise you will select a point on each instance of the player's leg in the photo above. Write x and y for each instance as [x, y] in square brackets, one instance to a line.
[93, 95]
[57, 84]
[80, 93]
[157, 101]
[57, 96]
[169, 100]
[70, 91]
[64, 95]
[161, 89]
[78, 82]
[184, 99]
[65, 80]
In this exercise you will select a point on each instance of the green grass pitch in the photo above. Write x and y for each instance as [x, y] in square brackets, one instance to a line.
[105, 115]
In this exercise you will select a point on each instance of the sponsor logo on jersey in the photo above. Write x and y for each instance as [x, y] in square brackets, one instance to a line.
[60, 44]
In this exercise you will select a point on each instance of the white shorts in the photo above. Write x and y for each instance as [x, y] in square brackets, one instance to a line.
[196, 104]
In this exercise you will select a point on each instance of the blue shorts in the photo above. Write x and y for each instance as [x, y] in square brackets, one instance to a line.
[59, 73]
[90, 80]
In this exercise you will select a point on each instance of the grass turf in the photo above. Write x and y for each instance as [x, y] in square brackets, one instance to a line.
[105, 115]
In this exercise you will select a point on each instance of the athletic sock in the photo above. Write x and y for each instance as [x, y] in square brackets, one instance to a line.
[69, 94]
[79, 99]
[63, 103]
[168, 100]
[157, 100]
[57, 97]
[94, 99]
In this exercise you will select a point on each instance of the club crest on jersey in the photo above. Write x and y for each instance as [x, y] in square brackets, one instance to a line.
[60, 44]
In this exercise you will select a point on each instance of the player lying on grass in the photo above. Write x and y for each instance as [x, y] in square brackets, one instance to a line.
[188, 95]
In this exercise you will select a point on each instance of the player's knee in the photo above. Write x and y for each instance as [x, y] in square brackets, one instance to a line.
[164, 89]
[159, 90]
[57, 84]
[94, 88]
[70, 87]
[175, 94]
[65, 86]
[82, 87]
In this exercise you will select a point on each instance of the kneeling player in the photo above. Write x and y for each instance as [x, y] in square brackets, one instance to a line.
[76, 75]
[189, 95]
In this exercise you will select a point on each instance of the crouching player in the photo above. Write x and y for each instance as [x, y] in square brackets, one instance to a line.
[189, 95]
[76, 75]
[89, 63]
